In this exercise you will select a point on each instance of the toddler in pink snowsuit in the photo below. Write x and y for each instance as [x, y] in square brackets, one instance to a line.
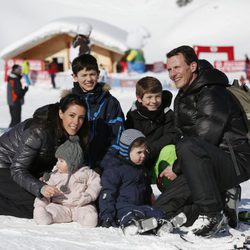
[78, 188]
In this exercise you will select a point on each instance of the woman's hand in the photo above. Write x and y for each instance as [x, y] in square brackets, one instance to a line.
[168, 173]
[49, 191]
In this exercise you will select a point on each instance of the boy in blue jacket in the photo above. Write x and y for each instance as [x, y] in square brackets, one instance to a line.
[125, 194]
[105, 115]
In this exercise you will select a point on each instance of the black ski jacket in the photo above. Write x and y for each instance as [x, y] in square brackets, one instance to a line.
[208, 110]
[28, 149]
[105, 119]
[157, 126]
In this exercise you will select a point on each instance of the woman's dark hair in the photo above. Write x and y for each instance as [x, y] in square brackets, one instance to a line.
[74, 99]
[47, 117]
[70, 99]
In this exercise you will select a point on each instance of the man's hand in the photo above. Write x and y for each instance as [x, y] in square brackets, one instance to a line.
[168, 173]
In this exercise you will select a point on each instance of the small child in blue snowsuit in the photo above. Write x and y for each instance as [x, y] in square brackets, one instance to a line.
[125, 192]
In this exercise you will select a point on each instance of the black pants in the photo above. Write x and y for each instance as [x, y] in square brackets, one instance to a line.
[15, 113]
[176, 199]
[53, 76]
[207, 171]
[14, 200]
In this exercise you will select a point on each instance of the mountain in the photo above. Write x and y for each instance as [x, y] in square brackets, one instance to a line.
[201, 22]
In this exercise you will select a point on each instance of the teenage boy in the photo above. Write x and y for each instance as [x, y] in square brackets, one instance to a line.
[105, 115]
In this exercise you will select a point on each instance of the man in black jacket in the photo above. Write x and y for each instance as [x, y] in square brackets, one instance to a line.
[213, 153]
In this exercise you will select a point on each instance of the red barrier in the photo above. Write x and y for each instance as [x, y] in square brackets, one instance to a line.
[229, 50]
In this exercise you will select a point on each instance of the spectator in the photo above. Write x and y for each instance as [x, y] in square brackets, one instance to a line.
[53, 69]
[26, 71]
[15, 94]
[103, 76]
[247, 67]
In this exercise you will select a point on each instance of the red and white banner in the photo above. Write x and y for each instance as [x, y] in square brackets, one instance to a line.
[229, 50]
[230, 66]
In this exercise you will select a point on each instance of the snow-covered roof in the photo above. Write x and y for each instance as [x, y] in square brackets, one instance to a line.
[103, 34]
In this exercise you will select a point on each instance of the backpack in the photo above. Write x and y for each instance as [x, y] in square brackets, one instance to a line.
[242, 94]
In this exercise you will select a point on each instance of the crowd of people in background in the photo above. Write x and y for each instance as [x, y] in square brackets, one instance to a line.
[82, 160]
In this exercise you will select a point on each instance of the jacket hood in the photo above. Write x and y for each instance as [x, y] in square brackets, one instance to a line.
[13, 76]
[100, 85]
[208, 77]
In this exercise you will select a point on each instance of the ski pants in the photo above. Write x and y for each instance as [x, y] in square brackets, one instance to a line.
[46, 213]
[15, 113]
[14, 200]
[126, 214]
[207, 172]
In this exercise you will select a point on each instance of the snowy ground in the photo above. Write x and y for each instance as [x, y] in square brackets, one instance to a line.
[16, 233]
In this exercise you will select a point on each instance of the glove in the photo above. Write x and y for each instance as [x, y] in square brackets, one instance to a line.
[108, 223]
[26, 88]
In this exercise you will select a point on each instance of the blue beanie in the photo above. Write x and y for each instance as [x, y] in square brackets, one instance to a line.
[128, 137]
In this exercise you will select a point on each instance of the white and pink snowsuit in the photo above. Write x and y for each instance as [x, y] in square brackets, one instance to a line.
[77, 205]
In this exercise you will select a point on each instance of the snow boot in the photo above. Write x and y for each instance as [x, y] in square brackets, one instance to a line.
[168, 226]
[232, 199]
[208, 226]
[140, 226]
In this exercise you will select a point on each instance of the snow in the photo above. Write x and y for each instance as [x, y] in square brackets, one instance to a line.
[203, 22]
[19, 234]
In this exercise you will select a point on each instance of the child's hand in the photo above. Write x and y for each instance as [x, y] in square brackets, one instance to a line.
[49, 191]
[168, 173]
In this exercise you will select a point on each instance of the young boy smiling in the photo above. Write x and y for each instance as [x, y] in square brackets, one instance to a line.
[151, 115]
[105, 115]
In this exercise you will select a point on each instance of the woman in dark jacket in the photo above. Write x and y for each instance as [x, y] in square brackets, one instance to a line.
[28, 150]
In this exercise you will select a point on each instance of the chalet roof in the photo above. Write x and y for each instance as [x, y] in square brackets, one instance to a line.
[103, 34]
